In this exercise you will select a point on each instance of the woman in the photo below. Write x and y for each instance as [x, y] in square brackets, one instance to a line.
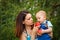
[24, 26]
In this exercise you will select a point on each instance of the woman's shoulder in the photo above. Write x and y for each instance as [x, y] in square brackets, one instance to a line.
[23, 36]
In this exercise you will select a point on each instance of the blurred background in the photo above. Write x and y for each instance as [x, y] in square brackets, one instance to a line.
[9, 9]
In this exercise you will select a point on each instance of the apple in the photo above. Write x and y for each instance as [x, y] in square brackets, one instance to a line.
[37, 23]
[39, 31]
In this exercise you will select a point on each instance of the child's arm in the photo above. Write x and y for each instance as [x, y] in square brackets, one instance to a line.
[49, 30]
[42, 31]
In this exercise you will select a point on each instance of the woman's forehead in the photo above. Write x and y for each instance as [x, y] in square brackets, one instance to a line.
[28, 16]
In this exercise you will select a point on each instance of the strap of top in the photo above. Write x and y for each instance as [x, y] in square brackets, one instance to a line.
[26, 32]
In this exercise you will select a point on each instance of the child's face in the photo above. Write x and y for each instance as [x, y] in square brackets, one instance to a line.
[41, 17]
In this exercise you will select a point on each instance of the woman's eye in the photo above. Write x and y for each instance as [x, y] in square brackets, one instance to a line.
[29, 18]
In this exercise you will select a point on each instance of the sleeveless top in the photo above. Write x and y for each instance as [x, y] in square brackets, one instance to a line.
[28, 37]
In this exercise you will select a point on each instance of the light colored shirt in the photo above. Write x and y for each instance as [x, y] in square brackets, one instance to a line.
[49, 24]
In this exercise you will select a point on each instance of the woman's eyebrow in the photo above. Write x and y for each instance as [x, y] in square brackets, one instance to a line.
[28, 18]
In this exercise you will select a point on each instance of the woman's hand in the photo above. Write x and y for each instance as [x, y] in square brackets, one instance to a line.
[35, 28]
[34, 31]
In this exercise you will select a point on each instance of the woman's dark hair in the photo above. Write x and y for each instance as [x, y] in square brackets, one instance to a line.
[19, 23]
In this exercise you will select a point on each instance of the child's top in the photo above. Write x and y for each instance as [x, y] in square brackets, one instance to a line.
[45, 36]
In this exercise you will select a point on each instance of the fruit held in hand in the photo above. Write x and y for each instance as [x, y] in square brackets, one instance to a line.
[39, 31]
[37, 24]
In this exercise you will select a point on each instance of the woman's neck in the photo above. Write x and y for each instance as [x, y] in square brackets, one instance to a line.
[28, 29]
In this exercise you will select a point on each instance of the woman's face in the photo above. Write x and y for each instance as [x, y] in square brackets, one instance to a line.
[28, 19]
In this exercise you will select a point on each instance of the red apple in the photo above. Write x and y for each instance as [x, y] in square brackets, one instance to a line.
[39, 31]
[37, 23]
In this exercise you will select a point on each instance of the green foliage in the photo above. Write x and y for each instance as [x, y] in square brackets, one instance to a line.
[9, 9]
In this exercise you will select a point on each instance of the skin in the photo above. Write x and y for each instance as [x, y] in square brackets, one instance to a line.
[41, 17]
[28, 22]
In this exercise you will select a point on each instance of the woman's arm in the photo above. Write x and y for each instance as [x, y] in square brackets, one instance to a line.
[33, 36]
[34, 31]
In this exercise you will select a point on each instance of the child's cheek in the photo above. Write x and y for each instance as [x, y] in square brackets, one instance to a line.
[42, 20]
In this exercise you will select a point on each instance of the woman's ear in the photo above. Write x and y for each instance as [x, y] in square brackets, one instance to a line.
[23, 22]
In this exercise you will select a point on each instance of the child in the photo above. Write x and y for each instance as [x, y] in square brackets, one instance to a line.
[45, 26]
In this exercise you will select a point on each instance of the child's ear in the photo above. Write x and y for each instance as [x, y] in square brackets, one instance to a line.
[44, 17]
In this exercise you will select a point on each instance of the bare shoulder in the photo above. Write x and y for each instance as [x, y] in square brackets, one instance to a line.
[23, 36]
